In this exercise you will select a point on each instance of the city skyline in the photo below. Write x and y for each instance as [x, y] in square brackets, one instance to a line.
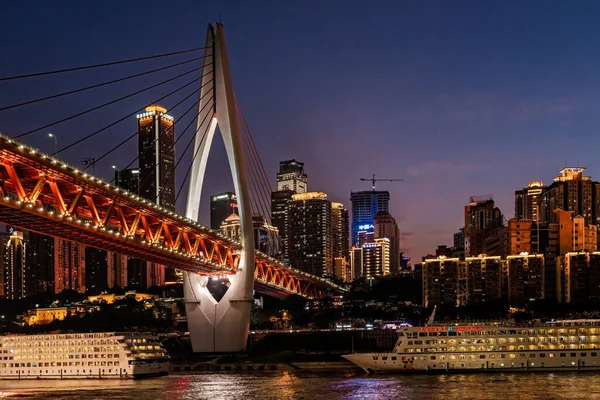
[483, 87]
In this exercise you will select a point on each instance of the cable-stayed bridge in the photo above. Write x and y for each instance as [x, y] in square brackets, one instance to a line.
[41, 193]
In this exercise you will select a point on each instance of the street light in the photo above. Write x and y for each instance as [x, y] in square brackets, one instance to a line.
[117, 175]
[52, 135]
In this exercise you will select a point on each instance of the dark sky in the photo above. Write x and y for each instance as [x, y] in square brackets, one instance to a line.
[459, 98]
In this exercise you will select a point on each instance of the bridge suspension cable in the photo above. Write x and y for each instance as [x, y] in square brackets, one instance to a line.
[189, 169]
[106, 83]
[256, 168]
[172, 172]
[127, 116]
[107, 103]
[80, 68]
[155, 140]
[178, 138]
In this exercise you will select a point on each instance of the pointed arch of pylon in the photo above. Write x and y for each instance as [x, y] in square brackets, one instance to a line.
[223, 325]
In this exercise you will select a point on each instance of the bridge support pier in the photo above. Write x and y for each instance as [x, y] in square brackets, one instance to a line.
[217, 326]
[220, 326]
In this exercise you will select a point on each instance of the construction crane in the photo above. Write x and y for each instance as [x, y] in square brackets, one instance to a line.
[373, 180]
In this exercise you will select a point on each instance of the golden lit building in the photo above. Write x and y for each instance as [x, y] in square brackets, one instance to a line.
[43, 316]
[528, 201]
[570, 191]
[444, 281]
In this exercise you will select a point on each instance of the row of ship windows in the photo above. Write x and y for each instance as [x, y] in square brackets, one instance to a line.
[64, 343]
[488, 356]
[60, 364]
[543, 339]
[63, 356]
[56, 337]
[497, 348]
[67, 350]
[530, 332]
[64, 371]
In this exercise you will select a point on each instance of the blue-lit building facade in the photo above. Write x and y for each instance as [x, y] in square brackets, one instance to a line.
[364, 206]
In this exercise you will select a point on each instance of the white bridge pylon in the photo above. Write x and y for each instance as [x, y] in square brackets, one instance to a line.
[220, 326]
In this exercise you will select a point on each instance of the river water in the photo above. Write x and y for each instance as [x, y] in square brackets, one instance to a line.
[285, 385]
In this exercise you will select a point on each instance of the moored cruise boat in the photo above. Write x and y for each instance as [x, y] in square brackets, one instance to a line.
[570, 345]
[82, 355]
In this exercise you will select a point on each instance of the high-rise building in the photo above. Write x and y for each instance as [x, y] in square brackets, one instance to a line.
[481, 216]
[157, 156]
[342, 270]
[308, 222]
[364, 206]
[459, 239]
[484, 279]
[365, 237]
[574, 234]
[571, 191]
[443, 281]
[376, 258]
[528, 201]
[69, 266]
[291, 177]
[128, 179]
[222, 205]
[291, 180]
[156, 150]
[40, 262]
[117, 270]
[15, 269]
[4, 236]
[579, 277]
[279, 202]
[96, 270]
[386, 227]
[340, 225]
[266, 237]
[525, 278]
[356, 258]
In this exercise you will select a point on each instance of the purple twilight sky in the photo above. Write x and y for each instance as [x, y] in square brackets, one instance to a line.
[458, 98]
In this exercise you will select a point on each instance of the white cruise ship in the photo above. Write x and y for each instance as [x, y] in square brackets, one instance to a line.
[82, 355]
[572, 345]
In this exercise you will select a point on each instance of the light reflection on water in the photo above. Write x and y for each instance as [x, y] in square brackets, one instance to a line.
[284, 385]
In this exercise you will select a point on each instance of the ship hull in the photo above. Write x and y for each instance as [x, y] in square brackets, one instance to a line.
[523, 362]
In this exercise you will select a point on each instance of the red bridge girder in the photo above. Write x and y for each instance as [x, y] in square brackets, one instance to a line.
[42, 194]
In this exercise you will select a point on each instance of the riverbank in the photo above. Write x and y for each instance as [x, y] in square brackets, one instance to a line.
[248, 366]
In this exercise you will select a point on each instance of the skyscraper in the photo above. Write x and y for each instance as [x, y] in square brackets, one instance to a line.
[222, 205]
[279, 202]
[340, 225]
[571, 191]
[340, 229]
[157, 156]
[266, 237]
[117, 270]
[308, 220]
[96, 270]
[128, 179]
[156, 148]
[481, 216]
[40, 262]
[528, 201]
[69, 266]
[15, 269]
[364, 206]
[291, 180]
[291, 176]
[386, 227]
